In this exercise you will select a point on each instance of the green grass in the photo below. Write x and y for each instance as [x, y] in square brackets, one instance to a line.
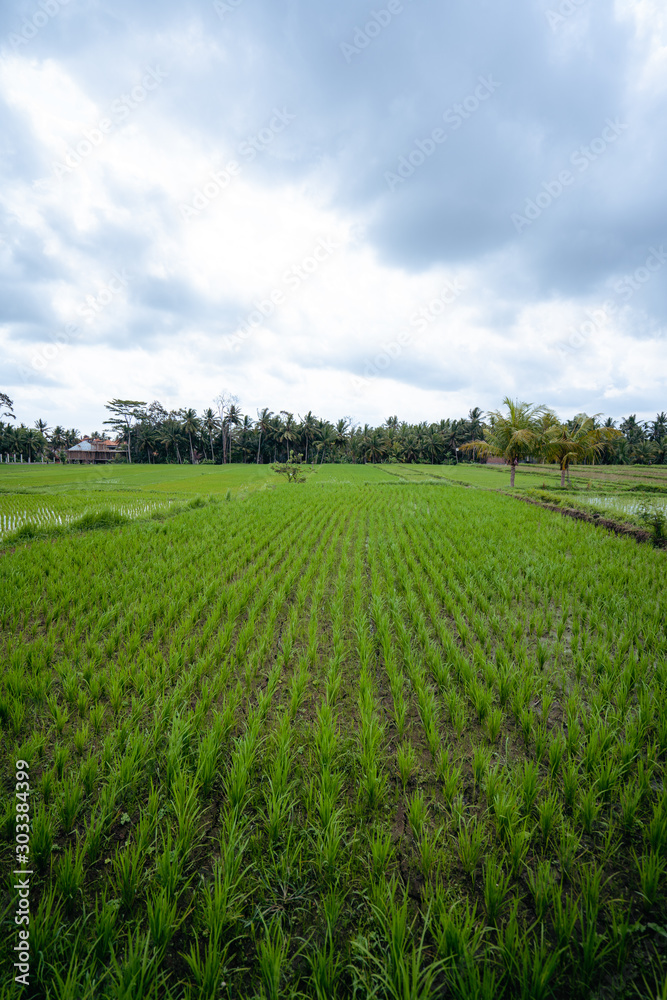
[373, 735]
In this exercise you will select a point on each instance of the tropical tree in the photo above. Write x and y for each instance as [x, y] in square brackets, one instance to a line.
[514, 434]
[308, 430]
[125, 413]
[264, 427]
[211, 424]
[574, 442]
[8, 405]
[190, 425]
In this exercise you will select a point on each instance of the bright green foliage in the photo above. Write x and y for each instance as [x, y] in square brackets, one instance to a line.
[405, 739]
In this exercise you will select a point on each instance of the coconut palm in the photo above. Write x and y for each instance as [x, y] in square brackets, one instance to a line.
[514, 434]
[308, 430]
[263, 425]
[288, 432]
[210, 424]
[576, 441]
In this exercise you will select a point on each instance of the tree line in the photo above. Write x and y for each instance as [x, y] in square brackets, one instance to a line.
[222, 433]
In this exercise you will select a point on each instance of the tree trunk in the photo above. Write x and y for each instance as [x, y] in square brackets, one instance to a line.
[562, 478]
[259, 446]
[513, 472]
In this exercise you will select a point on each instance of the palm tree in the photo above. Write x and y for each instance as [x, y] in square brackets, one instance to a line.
[263, 425]
[288, 432]
[210, 423]
[230, 421]
[308, 430]
[659, 427]
[327, 435]
[581, 442]
[514, 434]
[190, 425]
[633, 430]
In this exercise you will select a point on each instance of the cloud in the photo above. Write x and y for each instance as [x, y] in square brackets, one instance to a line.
[313, 132]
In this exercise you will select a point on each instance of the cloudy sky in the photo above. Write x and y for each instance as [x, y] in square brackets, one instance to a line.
[408, 207]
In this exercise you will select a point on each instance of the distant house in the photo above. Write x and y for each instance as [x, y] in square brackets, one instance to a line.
[91, 451]
[495, 460]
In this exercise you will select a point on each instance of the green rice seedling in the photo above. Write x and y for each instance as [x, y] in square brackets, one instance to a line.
[373, 787]
[495, 783]
[607, 778]
[169, 866]
[482, 699]
[630, 801]
[69, 805]
[82, 703]
[69, 878]
[541, 741]
[208, 968]
[94, 837]
[46, 786]
[417, 814]
[656, 831]
[471, 845]
[60, 758]
[46, 926]
[548, 815]
[88, 773]
[505, 812]
[407, 761]
[567, 848]
[528, 786]
[429, 851]
[81, 739]
[539, 963]
[556, 753]
[187, 811]
[517, 848]
[41, 838]
[106, 917]
[496, 887]
[97, 718]
[480, 765]
[570, 785]
[494, 722]
[651, 869]
[621, 929]
[128, 869]
[564, 913]
[272, 955]
[326, 967]
[589, 809]
[540, 883]
[526, 720]
[451, 781]
[455, 929]
[593, 949]
[137, 974]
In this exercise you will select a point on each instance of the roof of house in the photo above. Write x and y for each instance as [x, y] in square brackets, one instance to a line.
[93, 445]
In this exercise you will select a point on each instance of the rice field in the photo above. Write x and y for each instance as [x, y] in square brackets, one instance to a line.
[378, 735]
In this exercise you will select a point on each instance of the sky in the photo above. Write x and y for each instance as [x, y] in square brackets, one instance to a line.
[412, 207]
